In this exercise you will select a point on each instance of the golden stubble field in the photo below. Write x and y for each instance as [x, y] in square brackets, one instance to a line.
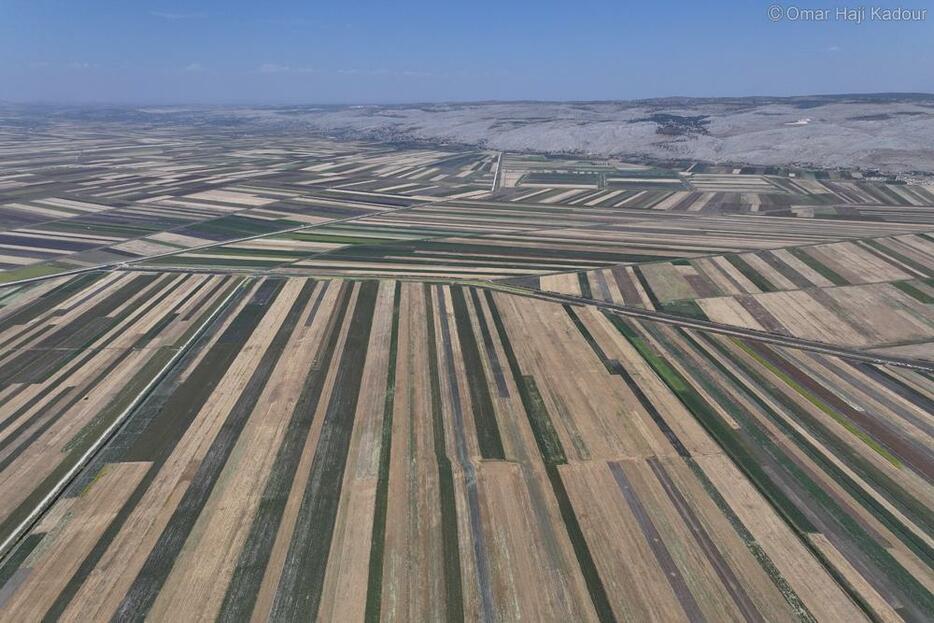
[399, 451]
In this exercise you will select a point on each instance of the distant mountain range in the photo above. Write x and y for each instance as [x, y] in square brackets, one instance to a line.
[888, 132]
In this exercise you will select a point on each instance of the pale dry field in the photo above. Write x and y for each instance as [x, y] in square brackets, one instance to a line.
[380, 450]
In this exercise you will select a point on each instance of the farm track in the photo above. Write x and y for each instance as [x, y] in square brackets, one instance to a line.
[100, 443]
[270, 376]
[724, 329]
[635, 312]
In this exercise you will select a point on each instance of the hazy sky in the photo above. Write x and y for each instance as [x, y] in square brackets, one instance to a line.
[353, 51]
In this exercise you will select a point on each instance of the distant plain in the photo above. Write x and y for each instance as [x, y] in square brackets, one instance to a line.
[452, 363]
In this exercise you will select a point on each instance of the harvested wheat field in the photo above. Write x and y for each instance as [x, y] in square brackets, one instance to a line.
[399, 451]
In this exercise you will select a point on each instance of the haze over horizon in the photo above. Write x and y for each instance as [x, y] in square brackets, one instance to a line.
[168, 104]
[374, 53]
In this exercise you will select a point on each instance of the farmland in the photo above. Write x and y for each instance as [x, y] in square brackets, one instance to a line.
[251, 375]
[873, 292]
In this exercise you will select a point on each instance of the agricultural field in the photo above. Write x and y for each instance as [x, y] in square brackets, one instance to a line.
[422, 442]
[156, 197]
[76, 355]
[259, 375]
[872, 292]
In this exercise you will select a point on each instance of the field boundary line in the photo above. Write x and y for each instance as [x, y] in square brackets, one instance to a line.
[210, 245]
[9, 545]
[714, 327]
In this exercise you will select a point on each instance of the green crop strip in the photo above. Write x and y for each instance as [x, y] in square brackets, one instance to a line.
[668, 374]
[640, 275]
[914, 292]
[798, 607]
[725, 436]
[853, 460]
[807, 395]
[99, 423]
[49, 300]
[584, 285]
[271, 254]
[155, 570]
[301, 585]
[750, 464]
[336, 238]
[614, 367]
[684, 308]
[549, 445]
[18, 557]
[838, 517]
[454, 600]
[750, 273]
[375, 576]
[484, 415]
[35, 270]
[242, 591]
[882, 250]
[814, 264]
[552, 452]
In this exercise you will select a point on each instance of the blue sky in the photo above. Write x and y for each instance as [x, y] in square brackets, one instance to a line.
[135, 51]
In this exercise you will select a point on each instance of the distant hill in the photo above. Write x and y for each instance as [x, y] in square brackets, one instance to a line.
[888, 132]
